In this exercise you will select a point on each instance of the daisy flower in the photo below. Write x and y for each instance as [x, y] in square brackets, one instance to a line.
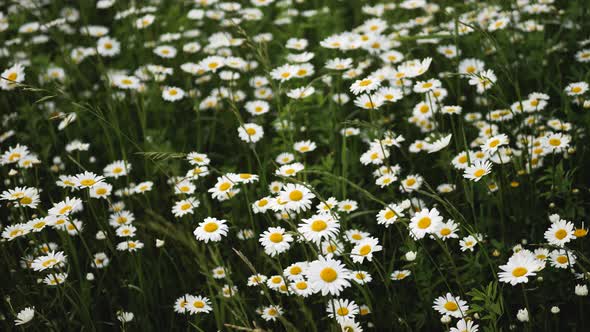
[451, 305]
[411, 183]
[572, 89]
[295, 270]
[284, 72]
[447, 230]
[87, 179]
[439, 144]
[12, 76]
[520, 267]
[256, 279]
[198, 304]
[14, 231]
[562, 259]
[275, 241]
[493, 143]
[250, 132]
[468, 243]
[296, 197]
[319, 227]
[328, 276]
[342, 309]
[560, 233]
[304, 146]
[66, 207]
[290, 169]
[211, 229]
[54, 279]
[424, 222]
[301, 287]
[185, 206]
[181, 304]
[477, 170]
[49, 261]
[556, 142]
[465, 326]
[271, 313]
[389, 215]
[129, 245]
[329, 205]
[172, 93]
[483, 80]
[107, 46]
[24, 316]
[365, 249]
[400, 275]
[365, 85]
[361, 277]
[116, 169]
[347, 206]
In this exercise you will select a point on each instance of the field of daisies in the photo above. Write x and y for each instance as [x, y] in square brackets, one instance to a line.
[294, 165]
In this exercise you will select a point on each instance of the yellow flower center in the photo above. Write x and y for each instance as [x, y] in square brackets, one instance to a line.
[276, 237]
[302, 285]
[87, 182]
[295, 270]
[561, 234]
[555, 142]
[296, 195]
[251, 131]
[494, 143]
[25, 200]
[424, 223]
[445, 231]
[410, 182]
[389, 214]
[210, 227]
[365, 82]
[451, 306]
[318, 225]
[561, 259]
[224, 186]
[185, 206]
[65, 209]
[342, 311]
[479, 173]
[328, 274]
[49, 262]
[199, 304]
[576, 89]
[365, 250]
[519, 271]
[101, 191]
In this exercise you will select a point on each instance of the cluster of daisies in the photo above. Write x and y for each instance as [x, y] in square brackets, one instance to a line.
[421, 132]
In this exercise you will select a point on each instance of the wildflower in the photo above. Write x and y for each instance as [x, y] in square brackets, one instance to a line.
[560, 233]
[24, 316]
[451, 305]
[520, 267]
[12, 76]
[365, 249]
[328, 276]
[342, 309]
[424, 222]
[477, 170]
[275, 240]
[211, 229]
